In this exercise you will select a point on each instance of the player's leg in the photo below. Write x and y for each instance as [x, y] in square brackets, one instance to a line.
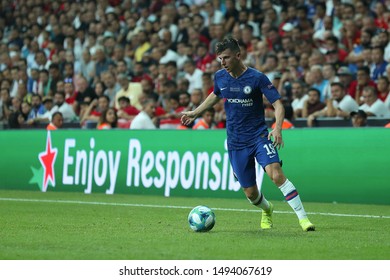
[243, 165]
[258, 199]
[275, 172]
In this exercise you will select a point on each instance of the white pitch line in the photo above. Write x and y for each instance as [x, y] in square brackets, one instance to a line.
[178, 207]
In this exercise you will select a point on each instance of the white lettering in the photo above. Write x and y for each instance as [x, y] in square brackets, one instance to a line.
[100, 178]
[171, 182]
[147, 166]
[202, 159]
[188, 159]
[133, 162]
[114, 168]
[90, 166]
[159, 182]
[68, 160]
[215, 183]
[81, 157]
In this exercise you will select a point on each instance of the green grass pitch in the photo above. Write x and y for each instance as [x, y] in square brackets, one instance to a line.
[75, 226]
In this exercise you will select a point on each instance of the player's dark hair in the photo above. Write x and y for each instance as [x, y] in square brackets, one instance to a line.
[227, 44]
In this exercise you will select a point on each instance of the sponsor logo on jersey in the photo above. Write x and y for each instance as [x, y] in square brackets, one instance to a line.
[246, 102]
[247, 90]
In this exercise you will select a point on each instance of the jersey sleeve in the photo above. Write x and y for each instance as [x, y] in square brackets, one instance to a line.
[217, 89]
[268, 89]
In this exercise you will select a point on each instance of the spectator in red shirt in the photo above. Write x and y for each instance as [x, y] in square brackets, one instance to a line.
[126, 111]
[362, 80]
[383, 88]
[95, 109]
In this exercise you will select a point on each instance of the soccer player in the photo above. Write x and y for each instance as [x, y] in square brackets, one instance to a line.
[247, 134]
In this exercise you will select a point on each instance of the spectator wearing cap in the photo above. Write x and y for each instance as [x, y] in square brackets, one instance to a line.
[359, 118]
[372, 105]
[346, 78]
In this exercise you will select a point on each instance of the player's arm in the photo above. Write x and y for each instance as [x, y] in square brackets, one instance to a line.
[276, 133]
[189, 116]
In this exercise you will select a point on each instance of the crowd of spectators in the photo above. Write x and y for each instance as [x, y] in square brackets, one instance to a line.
[109, 63]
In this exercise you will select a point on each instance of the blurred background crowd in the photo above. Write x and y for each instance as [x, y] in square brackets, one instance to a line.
[137, 64]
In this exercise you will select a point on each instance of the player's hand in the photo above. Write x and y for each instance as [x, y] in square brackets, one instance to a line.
[187, 117]
[277, 139]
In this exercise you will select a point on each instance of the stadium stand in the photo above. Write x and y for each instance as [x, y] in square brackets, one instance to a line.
[139, 49]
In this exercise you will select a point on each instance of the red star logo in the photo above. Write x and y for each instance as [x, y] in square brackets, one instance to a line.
[47, 159]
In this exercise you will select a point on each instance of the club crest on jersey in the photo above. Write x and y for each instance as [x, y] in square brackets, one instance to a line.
[247, 90]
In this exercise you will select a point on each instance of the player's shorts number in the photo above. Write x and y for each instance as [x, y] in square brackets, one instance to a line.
[270, 149]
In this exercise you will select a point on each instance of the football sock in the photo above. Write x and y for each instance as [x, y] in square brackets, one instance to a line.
[292, 197]
[260, 202]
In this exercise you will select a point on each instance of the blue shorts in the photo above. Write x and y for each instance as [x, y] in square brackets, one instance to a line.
[243, 161]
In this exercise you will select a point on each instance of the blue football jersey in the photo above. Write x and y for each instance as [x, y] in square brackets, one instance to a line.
[243, 96]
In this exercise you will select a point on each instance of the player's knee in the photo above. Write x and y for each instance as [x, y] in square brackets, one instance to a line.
[251, 193]
[277, 177]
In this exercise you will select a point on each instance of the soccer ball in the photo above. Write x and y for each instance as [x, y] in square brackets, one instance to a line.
[201, 218]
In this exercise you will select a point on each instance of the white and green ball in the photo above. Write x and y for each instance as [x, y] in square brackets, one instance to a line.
[201, 218]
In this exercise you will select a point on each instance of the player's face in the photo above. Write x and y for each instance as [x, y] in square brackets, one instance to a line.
[229, 59]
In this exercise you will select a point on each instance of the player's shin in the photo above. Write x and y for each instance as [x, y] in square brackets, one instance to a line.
[292, 197]
[260, 201]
